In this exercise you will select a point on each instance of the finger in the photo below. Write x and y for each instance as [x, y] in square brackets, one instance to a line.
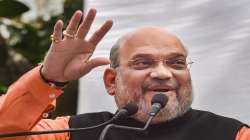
[99, 34]
[98, 61]
[57, 33]
[93, 63]
[73, 23]
[86, 24]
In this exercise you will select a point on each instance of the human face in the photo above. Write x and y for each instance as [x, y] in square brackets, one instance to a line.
[137, 82]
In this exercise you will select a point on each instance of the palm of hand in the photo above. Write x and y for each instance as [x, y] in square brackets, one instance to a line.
[69, 58]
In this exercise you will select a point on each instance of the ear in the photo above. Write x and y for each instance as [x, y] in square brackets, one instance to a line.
[109, 80]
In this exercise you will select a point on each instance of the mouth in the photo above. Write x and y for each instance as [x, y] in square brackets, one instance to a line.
[161, 88]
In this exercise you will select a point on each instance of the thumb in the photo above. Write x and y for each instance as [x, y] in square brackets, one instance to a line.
[92, 63]
[98, 61]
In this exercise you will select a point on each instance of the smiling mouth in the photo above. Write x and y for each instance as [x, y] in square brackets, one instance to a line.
[161, 90]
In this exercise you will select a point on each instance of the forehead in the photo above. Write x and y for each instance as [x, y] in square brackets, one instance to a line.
[152, 42]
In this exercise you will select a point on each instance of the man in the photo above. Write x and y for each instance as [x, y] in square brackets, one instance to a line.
[144, 62]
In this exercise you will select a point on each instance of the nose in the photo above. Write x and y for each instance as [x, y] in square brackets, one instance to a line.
[161, 72]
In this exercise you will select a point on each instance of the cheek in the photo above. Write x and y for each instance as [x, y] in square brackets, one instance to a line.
[185, 90]
[134, 79]
[183, 78]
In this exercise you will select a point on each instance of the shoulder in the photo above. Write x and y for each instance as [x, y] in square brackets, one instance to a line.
[214, 121]
[200, 114]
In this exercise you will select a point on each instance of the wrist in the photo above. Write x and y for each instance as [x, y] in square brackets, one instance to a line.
[52, 83]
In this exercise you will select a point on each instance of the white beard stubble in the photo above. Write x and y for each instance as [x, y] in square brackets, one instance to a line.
[172, 110]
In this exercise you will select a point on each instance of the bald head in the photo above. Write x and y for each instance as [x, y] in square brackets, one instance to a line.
[150, 60]
[151, 35]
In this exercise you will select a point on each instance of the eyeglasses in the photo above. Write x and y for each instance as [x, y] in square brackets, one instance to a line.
[174, 63]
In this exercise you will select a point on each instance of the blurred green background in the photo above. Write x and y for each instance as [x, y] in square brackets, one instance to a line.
[23, 44]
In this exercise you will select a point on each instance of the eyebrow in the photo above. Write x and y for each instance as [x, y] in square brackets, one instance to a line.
[142, 56]
[175, 55]
[172, 55]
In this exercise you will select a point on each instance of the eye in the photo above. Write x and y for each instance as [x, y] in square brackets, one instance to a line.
[177, 64]
[141, 63]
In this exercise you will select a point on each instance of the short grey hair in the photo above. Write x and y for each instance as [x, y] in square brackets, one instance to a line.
[114, 54]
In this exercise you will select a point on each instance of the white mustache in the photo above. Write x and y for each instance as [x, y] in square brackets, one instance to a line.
[154, 85]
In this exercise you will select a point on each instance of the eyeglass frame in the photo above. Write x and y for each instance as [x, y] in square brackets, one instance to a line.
[187, 63]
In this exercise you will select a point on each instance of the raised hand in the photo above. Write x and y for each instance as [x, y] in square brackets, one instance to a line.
[69, 56]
